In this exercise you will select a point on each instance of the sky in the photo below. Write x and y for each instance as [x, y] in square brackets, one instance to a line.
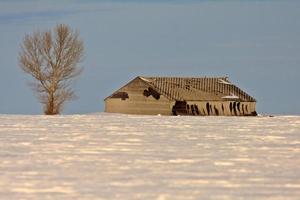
[255, 43]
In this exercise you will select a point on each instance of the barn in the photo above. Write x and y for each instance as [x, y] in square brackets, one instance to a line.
[181, 96]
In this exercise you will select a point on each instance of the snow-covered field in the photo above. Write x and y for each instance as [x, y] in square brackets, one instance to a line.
[112, 156]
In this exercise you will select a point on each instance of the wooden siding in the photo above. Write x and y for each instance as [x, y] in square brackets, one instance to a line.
[137, 102]
[222, 108]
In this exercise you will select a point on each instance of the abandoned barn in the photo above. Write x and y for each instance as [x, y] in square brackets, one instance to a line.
[181, 96]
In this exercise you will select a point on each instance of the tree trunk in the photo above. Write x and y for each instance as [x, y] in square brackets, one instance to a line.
[50, 110]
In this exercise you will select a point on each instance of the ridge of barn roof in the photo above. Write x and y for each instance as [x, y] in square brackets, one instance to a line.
[182, 77]
[197, 88]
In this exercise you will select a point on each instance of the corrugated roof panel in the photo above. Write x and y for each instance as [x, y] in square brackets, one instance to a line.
[177, 88]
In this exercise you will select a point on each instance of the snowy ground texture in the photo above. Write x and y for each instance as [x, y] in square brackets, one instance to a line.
[112, 156]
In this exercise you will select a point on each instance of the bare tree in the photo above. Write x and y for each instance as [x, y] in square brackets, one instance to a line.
[52, 59]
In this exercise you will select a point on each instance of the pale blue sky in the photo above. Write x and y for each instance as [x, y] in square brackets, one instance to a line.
[255, 43]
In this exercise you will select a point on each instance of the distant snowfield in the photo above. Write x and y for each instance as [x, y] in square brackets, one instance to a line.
[114, 156]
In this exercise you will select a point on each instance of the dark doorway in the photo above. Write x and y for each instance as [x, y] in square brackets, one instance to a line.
[180, 108]
[243, 109]
[208, 108]
[216, 110]
[234, 108]
[239, 106]
[197, 110]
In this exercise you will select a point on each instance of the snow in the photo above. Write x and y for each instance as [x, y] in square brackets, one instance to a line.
[232, 96]
[115, 156]
[144, 79]
[224, 82]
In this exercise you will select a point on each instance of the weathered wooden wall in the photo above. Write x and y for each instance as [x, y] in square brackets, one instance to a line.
[138, 99]
[225, 108]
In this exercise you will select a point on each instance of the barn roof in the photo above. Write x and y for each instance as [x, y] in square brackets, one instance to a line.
[206, 88]
[194, 89]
